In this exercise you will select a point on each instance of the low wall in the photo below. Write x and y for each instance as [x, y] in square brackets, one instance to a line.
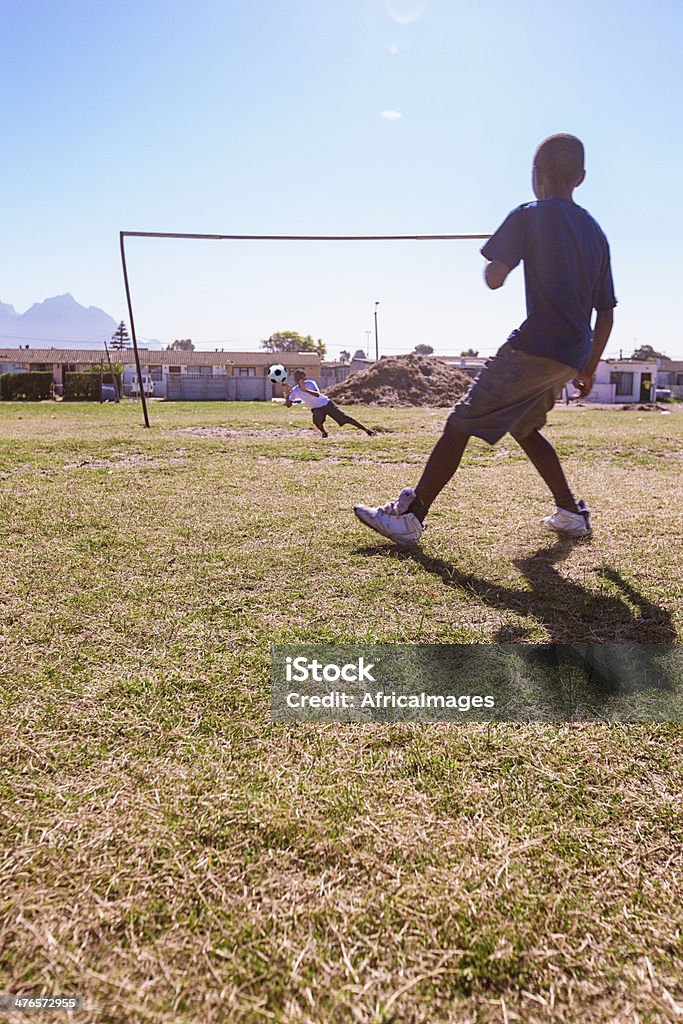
[186, 387]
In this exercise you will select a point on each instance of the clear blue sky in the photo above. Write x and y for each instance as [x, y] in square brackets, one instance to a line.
[267, 117]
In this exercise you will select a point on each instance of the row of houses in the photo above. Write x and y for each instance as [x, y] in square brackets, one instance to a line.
[243, 376]
[616, 381]
[236, 376]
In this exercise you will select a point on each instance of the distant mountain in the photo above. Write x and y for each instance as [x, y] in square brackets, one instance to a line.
[7, 312]
[59, 322]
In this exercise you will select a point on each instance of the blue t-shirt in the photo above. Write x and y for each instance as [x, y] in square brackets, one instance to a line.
[567, 275]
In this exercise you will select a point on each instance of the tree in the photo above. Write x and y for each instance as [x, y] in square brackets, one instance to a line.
[181, 345]
[648, 353]
[359, 354]
[119, 338]
[290, 341]
[470, 352]
[424, 350]
[344, 357]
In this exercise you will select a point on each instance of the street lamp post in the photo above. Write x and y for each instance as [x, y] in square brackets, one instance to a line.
[376, 335]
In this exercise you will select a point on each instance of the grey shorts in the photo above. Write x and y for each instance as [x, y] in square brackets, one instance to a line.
[511, 395]
[323, 411]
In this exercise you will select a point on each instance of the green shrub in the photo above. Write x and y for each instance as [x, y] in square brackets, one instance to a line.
[29, 385]
[81, 387]
[107, 377]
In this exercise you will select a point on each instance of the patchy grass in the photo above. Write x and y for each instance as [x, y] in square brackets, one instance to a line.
[172, 855]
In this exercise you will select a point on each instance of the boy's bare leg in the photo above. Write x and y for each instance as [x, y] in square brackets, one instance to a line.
[544, 458]
[441, 465]
[355, 423]
[446, 456]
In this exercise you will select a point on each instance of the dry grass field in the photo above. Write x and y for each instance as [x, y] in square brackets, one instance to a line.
[172, 855]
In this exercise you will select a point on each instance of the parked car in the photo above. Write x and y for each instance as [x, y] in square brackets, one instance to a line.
[147, 385]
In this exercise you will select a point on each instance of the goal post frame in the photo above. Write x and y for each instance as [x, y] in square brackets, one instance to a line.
[256, 238]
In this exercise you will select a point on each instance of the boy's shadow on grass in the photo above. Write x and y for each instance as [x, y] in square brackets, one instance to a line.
[580, 622]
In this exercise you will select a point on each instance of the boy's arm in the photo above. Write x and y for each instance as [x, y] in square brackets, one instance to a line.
[308, 390]
[495, 274]
[506, 248]
[603, 328]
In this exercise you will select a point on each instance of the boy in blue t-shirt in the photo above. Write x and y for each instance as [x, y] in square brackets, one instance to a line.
[567, 275]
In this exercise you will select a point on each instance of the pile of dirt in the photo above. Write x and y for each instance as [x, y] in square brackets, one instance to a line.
[402, 380]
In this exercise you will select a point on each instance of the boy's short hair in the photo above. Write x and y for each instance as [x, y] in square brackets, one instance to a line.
[560, 158]
[299, 373]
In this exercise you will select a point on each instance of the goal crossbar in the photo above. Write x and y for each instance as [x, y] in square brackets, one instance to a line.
[258, 238]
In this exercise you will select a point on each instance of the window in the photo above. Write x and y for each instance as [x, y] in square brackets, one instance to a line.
[243, 371]
[623, 381]
[679, 380]
[155, 372]
[174, 369]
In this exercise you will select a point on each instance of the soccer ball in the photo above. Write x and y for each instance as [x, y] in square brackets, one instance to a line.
[277, 374]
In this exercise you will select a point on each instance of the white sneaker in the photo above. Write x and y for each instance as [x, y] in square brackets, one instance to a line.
[575, 524]
[393, 520]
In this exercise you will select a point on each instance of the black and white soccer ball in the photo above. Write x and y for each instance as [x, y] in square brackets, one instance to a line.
[277, 373]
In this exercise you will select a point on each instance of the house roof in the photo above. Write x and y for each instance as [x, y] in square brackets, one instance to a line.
[53, 355]
[630, 362]
[289, 359]
[156, 358]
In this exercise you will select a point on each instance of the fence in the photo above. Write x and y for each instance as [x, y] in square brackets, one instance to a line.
[198, 387]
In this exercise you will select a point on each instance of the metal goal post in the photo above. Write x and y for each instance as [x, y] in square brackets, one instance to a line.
[255, 238]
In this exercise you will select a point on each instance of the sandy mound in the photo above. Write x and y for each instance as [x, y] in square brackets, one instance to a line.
[403, 380]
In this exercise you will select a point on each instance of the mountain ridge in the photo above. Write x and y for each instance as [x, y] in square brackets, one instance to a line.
[59, 321]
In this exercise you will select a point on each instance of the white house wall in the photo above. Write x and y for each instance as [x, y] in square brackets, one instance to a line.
[605, 391]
